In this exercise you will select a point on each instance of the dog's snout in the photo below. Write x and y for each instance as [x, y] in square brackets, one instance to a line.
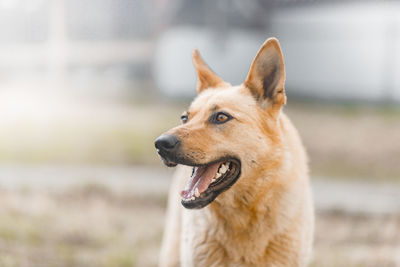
[167, 143]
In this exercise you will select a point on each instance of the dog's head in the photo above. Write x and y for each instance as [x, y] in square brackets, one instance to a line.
[228, 131]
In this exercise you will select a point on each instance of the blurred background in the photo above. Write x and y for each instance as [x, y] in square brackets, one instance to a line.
[87, 85]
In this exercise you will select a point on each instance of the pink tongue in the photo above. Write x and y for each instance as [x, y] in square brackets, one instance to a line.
[200, 179]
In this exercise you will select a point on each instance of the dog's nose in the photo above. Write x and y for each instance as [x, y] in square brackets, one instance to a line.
[167, 143]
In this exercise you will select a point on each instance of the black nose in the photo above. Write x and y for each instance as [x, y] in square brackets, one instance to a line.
[167, 143]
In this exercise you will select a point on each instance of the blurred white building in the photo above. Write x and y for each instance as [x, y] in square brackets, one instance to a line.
[345, 50]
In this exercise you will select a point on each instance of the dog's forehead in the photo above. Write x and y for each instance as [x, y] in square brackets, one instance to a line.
[232, 97]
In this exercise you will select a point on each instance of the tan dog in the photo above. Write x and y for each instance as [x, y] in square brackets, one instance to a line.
[247, 199]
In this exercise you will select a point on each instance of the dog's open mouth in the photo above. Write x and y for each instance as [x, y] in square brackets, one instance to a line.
[208, 181]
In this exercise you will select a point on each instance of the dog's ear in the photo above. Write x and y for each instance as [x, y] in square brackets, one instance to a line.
[206, 78]
[266, 78]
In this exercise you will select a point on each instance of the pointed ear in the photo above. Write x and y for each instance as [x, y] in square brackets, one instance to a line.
[266, 78]
[206, 78]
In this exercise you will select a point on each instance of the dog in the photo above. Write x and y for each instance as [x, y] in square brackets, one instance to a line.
[241, 193]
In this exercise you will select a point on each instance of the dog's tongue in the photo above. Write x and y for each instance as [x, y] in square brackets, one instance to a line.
[201, 179]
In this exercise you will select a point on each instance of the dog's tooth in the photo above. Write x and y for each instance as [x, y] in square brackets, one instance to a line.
[220, 170]
[193, 198]
[196, 192]
[218, 175]
[213, 180]
[223, 169]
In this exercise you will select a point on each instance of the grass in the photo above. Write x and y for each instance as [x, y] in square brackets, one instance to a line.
[121, 258]
[95, 226]
[81, 226]
[343, 140]
[124, 135]
[350, 141]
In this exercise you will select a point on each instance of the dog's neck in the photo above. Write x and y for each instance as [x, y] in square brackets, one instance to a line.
[245, 196]
[247, 217]
[239, 218]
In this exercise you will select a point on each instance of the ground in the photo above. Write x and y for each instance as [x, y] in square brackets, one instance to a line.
[118, 221]
[53, 217]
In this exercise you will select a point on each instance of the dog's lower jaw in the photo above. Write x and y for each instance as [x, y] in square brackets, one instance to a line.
[208, 181]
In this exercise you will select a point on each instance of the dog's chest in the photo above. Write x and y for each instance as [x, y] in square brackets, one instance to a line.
[203, 243]
[199, 244]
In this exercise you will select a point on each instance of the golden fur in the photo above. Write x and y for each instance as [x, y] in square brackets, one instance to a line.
[266, 217]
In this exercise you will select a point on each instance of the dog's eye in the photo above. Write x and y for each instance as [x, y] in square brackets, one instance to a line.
[220, 118]
[184, 119]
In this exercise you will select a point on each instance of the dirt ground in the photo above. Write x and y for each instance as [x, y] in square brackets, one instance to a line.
[92, 225]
